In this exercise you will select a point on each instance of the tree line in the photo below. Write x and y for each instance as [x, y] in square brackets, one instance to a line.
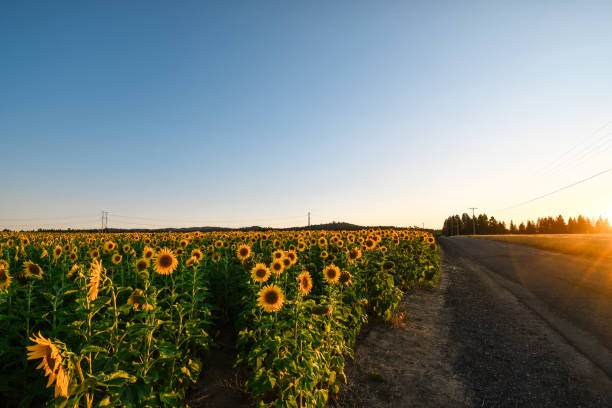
[484, 225]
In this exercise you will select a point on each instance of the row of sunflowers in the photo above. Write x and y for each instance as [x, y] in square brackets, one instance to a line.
[96, 319]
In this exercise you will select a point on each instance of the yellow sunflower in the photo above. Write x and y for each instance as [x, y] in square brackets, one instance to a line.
[51, 363]
[5, 278]
[95, 273]
[57, 252]
[292, 255]
[32, 269]
[117, 258]
[331, 273]
[148, 252]
[165, 262]
[305, 282]
[197, 254]
[270, 298]
[141, 265]
[277, 266]
[192, 261]
[278, 254]
[109, 246]
[243, 252]
[138, 301]
[260, 273]
[286, 262]
[345, 278]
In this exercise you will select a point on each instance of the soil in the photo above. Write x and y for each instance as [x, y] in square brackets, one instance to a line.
[409, 363]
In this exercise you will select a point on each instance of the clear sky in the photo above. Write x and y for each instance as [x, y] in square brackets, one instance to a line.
[200, 113]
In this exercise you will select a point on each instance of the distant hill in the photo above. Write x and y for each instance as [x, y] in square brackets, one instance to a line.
[331, 226]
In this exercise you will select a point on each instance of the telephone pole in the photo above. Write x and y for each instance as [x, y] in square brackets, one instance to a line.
[473, 220]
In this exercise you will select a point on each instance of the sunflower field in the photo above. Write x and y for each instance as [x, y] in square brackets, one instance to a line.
[105, 320]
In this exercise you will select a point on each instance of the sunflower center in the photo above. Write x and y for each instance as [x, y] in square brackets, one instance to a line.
[260, 273]
[34, 269]
[3, 275]
[165, 261]
[244, 251]
[271, 297]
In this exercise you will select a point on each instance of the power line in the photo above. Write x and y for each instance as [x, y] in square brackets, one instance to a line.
[558, 190]
[563, 158]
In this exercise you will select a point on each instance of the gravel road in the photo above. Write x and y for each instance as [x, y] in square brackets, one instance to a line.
[506, 327]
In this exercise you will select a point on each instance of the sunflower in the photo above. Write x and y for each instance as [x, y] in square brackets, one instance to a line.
[126, 248]
[197, 254]
[324, 254]
[322, 242]
[260, 273]
[141, 265]
[354, 254]
[292, 255]
[219, 243]
[138, 300]
[95, 272]
[270, 298]
[277, 266]
[301, 246]
[331, 273]
[383, 249]
[243, 252]
[51, 363]
[5, 278]
[369, 243]
[216, 257]
[32, 269]
[117, 258]
[286, 262]
[345, 278]
[278, 254]
[109, 246]
[44, 253]
[57, 252]
[94, 253]
[192, 261]
[305, 282]
[148, 252]
[72, 270]
[165, 262]
[73, 257]
[184, 243]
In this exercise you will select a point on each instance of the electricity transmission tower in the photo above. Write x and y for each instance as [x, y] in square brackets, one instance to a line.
[473, 220]
[104, 225]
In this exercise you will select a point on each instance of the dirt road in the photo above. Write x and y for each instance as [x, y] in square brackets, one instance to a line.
[508, 326]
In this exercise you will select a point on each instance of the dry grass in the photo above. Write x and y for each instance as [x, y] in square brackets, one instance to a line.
[589, 245]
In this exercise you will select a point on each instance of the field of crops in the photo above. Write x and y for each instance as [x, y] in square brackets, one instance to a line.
[126, 319]
[598, 246]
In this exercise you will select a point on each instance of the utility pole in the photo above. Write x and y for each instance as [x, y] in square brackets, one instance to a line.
[308, 219]
[473, 220]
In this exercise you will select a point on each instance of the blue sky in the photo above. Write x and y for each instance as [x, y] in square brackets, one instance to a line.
[241, 113]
